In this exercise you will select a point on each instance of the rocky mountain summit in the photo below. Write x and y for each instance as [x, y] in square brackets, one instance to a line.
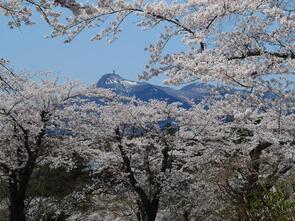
[145, 91]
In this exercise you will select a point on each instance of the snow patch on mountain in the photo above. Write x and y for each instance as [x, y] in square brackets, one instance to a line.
[195, 92]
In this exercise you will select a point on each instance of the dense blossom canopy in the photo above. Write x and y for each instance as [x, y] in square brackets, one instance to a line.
[226, 158]
[233, 41]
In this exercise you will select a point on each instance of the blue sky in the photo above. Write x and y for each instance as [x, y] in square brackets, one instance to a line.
[82, 59]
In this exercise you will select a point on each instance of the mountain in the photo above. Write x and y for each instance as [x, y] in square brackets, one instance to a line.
[117, 83]
[144, 91]
[196, 91]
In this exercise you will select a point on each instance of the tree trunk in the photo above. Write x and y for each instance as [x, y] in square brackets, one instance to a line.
[17, 211]
[18, 183]
[150, 210]
[61, 217]
[17, 206]
[186, 215]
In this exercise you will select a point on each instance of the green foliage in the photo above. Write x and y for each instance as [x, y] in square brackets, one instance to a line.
[170, 128]
[59, 182]
[277, 204]
[53, 185]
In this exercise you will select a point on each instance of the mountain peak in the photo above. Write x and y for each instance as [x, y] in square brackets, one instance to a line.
[110, 78]
[116, 82]
[145, 91]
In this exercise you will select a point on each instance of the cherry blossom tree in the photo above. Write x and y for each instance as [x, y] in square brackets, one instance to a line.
[21, 12]
[30, 121]
[130, 142]
[259, 143]
[5, 75]
[236, 42]
[142, 148]
[248, 44]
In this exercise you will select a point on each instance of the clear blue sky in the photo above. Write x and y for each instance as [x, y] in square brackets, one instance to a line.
[82, 59]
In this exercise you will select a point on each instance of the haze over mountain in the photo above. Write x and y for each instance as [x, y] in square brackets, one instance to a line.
[144, 91]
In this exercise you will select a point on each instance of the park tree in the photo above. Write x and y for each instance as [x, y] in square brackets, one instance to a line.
[259, 146]
[241, 143]
[146, 149]
[248, 44]
[32, 133]
[236, 42]
[232, 41]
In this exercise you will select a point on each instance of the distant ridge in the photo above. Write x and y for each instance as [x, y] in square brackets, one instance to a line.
[195, 92]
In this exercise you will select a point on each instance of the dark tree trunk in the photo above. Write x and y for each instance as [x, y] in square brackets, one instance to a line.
[254, 188]
[186, 215]
[149, 210]
[152, 211]
[18, 183]
[17, 210]
[61, 217]
[19, 178]
[17, 202]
